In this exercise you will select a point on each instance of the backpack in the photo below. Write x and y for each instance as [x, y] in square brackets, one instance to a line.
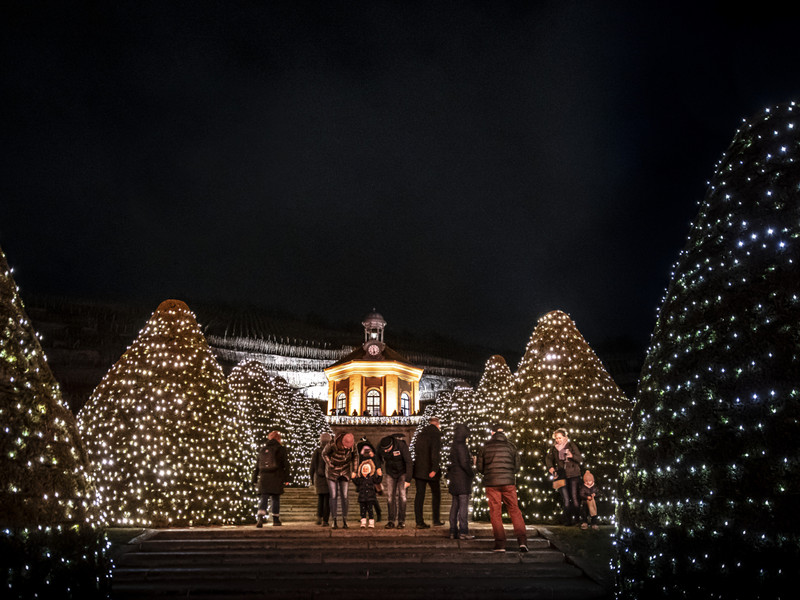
[267, 460]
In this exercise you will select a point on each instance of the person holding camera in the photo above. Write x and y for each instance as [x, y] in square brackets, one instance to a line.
[563, 462]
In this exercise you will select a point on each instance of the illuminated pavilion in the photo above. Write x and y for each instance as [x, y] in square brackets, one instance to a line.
[373, 380]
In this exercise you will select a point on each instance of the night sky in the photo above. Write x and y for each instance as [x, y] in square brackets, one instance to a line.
[463, 167]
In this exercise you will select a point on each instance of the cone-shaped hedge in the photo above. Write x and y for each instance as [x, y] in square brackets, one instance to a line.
[269, 403]
[51, 541]
[711, 480]
[561, 383]
[489, 407]
[163, 435]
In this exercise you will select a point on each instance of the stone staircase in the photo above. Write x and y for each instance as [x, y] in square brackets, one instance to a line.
[303, 560]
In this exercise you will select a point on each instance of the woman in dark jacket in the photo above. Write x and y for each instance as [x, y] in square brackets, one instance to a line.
[340, 466]
[563, 461]
[460, 475]
[271, 473]
[317, 473]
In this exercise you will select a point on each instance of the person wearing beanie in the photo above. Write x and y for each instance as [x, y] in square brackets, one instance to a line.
[340, 466]
[499, 462]
[563, 461]
[397, 471]
[320, 481]
[271, 474]
[587, 493]
[366, 452]
[428, 472]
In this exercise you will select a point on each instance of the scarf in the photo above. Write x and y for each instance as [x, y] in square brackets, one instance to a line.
[562, 450]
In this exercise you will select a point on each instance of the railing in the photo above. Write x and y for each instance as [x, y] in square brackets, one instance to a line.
[343, 420]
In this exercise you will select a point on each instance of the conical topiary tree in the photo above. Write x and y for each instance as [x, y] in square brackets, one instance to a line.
[162, 433]
[711, 478]
[487, 407]
[51, 540]
[269, 403]
[562, 384]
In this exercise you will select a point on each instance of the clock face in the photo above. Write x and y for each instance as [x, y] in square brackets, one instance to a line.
[373, 349]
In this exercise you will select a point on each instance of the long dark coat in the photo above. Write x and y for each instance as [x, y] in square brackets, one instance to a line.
[272, 481]
[317, 471]
[427, 453]
[460, 472]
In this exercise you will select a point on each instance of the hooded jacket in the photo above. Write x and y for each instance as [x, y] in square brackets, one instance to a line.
[460, 472]
[499, 461]
[340, 457]
[271, 481]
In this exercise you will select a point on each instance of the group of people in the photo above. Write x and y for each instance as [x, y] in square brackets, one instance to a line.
[389, 469]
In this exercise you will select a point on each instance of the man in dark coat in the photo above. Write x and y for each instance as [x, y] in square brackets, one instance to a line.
[460, 474]
[428, 471]
[271, 473]
[499, 462]
[397, 471]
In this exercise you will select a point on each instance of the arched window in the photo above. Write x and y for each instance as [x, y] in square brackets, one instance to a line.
[341, 403]
[405, 404]
[374, 402]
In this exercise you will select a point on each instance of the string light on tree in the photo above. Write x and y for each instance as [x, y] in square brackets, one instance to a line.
[561, 383]
[163, 435]
[269, 403]
[711, 474]
[51, 539]
[487, 407]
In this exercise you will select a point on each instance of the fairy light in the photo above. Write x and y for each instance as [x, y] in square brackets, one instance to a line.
[711, 471]
[51, 536]
[167, 443]
[561, 383]
[268, 403]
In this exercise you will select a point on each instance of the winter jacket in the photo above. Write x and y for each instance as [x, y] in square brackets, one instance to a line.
[569, 468]
[364, 449]
[427, 451]
[584, 492]
[499, 461]
[396, 457]
[271, 481]
[460, 472]
[317, 469]
[366, 487]
[339, 460]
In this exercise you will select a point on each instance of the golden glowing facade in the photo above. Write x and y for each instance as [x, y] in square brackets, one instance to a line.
[373, 379]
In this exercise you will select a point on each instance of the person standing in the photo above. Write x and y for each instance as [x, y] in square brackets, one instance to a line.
[271, 472]
[427, 472]
[320, 482]
[460, 474]
[340, 466]
[366, 451]
[563, 461]
[366, 480]
[498, 461]
[397, 471]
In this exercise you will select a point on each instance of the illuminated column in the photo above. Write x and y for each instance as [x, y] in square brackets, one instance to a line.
[415, 398]
[331, 397]
[392, 397]
[354, 397]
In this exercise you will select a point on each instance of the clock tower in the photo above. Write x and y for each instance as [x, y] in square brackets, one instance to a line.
[373, 380]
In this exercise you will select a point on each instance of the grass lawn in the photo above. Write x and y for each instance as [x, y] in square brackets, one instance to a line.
[591, 550]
